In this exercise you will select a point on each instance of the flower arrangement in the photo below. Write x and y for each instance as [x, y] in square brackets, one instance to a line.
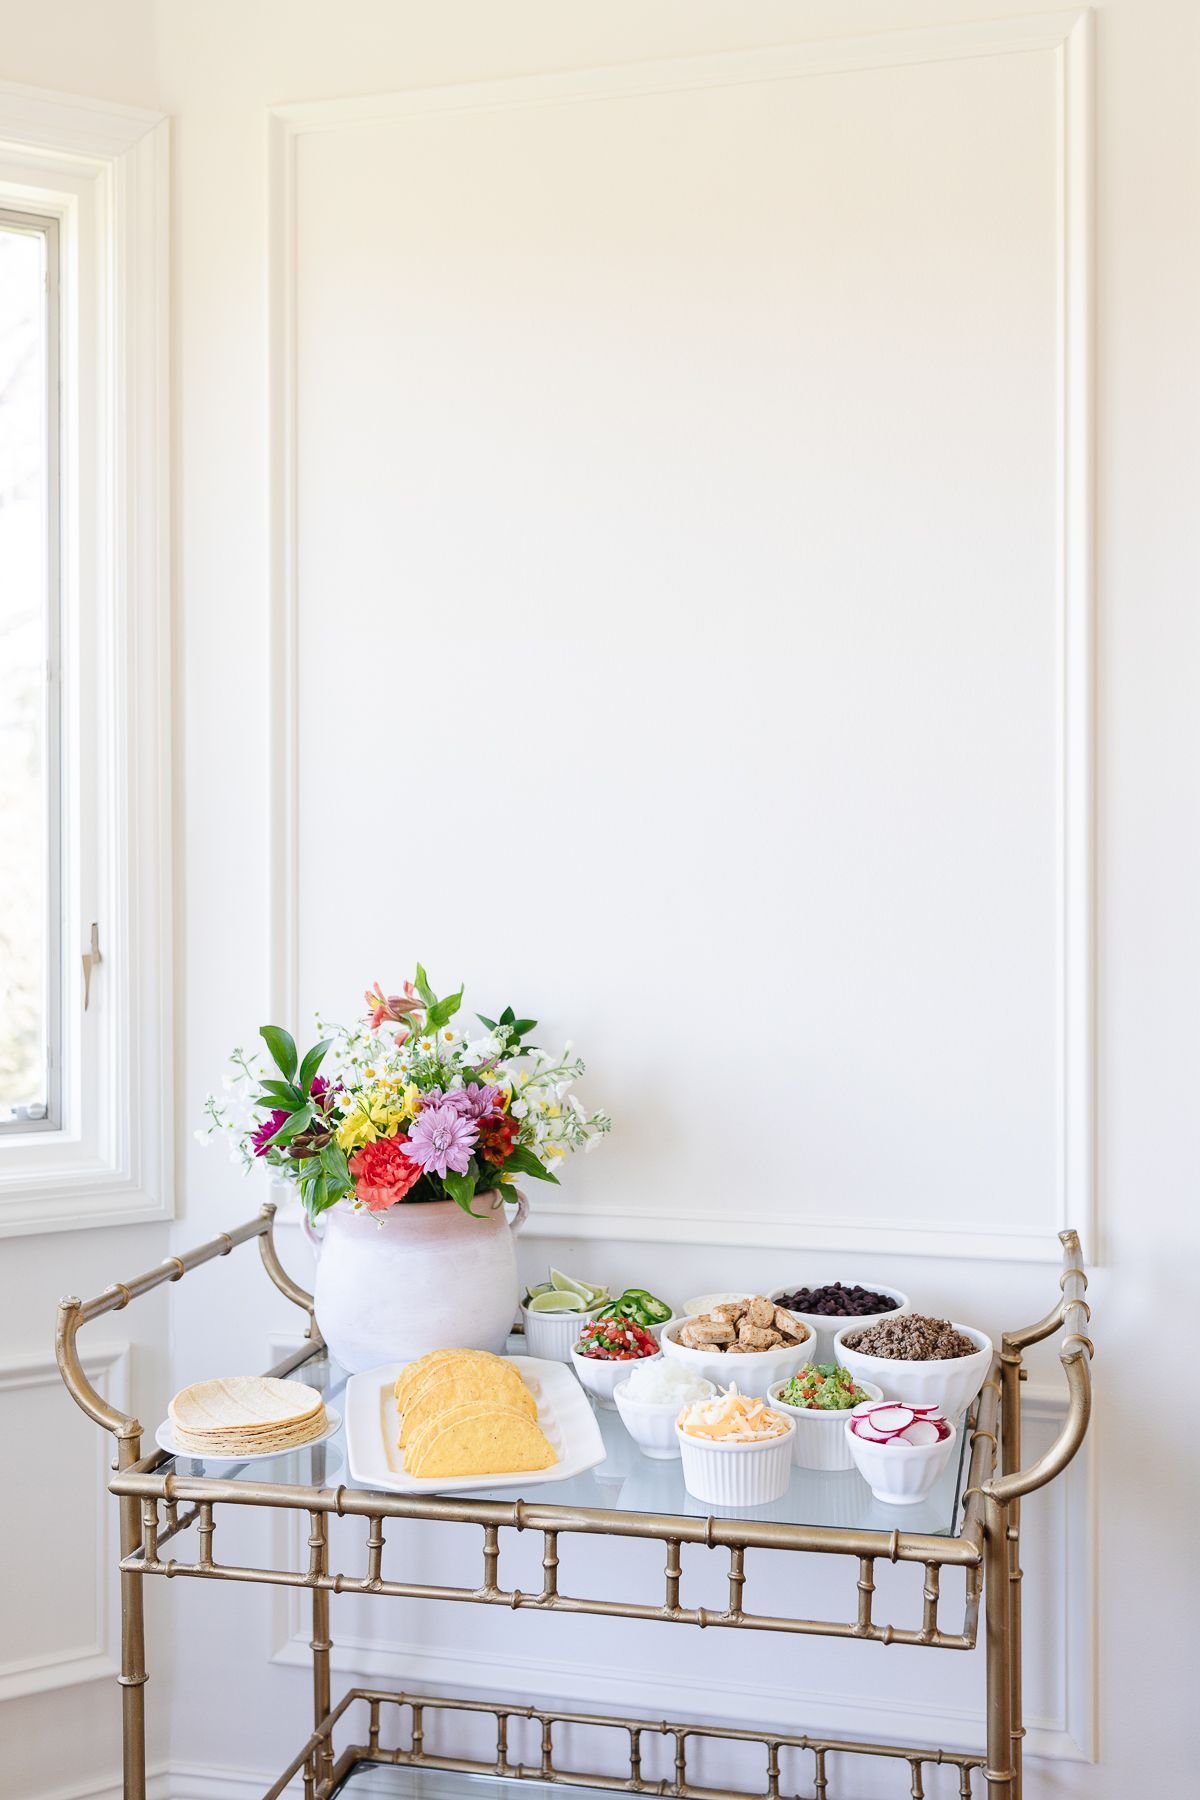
[408, 1107]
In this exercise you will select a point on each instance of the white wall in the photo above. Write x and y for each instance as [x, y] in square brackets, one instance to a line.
[700, 544]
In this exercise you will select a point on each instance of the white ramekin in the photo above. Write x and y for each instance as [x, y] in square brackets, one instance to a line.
[725, 1473]
[899, 1474]
[753, 1372]
[951, 1383]
[554, 1334]
[651, 1423]
[825, 1326]
[704, 1303]
[819, 1442]
[600, 1374]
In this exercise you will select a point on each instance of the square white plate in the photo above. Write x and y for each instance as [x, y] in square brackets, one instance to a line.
[373, 1425]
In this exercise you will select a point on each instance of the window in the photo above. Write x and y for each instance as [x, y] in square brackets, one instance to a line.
[30, 1047]
[85, 749]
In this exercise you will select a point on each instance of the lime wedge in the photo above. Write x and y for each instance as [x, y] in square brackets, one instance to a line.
[566, 1284]
[554, 1301]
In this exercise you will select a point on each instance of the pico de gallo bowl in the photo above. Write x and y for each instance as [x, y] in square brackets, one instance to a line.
[603, 1348]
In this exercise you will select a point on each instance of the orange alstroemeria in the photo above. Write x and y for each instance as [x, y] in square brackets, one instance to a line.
[391, 1006]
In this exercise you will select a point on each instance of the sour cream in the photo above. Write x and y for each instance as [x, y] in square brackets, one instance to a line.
[663, 1383]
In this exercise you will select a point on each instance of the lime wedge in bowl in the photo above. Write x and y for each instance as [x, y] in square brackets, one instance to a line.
[555, 1301]
[567, 1284]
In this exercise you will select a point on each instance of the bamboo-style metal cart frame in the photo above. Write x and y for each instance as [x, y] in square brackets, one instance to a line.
[158, 1506]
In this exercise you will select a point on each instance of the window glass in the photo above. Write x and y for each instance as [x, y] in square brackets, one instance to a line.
[28, 632]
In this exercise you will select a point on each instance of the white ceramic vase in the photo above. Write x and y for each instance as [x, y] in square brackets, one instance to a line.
[390, 1286]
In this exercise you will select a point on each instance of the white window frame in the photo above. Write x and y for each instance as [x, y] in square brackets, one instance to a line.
[102, 172]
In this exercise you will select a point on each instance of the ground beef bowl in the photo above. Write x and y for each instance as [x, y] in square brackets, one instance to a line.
[825, 1326]
[949, 1382]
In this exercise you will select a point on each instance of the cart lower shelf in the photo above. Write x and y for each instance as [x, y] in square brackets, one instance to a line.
[379, 1742]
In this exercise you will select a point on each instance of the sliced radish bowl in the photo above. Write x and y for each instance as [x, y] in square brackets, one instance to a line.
[900, 1450]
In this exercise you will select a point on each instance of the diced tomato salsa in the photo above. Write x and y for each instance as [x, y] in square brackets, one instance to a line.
[615, 1340]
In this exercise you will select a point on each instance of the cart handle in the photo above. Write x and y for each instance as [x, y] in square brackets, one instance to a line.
[73, 1312]
[1072, 1315]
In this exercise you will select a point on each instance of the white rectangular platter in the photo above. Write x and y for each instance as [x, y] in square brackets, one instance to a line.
[372, 1427]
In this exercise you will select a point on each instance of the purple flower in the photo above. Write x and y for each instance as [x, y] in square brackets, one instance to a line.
[266, 1131]
[472, 1101]
[440, 1139]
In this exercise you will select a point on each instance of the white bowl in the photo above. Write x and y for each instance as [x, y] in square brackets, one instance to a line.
[704, 1303]
[898, 1474]
[754, 1372]
[554, 1334]
[951, 1383]
[600, 1374]
[724, 1473]
[825, 1326]
[818, 1444]
[651, 1423]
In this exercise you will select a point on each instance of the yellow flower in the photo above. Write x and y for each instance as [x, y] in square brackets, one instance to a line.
[355, 1130]
[412, 1101]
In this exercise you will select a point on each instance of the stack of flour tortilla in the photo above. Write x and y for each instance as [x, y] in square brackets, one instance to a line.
[246, 1415]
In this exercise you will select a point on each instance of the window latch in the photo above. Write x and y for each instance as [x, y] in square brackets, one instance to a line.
[91, 957]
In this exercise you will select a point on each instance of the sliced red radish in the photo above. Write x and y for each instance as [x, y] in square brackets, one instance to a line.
[923, 1431]
[889, 1419]
[862, 1428]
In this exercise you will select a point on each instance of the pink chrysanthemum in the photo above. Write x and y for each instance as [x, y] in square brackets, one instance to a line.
[440, 1139]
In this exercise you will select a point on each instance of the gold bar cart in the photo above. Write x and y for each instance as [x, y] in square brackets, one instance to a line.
[160, 1503]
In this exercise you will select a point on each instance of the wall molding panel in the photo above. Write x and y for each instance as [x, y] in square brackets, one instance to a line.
[1064, 38]
[107, 1365]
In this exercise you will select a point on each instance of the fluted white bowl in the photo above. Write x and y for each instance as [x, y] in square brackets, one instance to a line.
[554, 1334]
[819, 1442]
[951, 1382]
[600, 1374]
[651, 1423]
[704, 1303]
[898, 1474]
[753, 1373]
[724, 1472]
[825, 1326]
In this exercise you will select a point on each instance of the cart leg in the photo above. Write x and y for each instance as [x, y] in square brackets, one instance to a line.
[321, 1645]
[999, 1773]
[132, 1678]
[1010, 1446]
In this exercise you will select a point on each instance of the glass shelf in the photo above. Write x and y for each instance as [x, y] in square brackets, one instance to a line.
[626, 1481]
[391, 1781]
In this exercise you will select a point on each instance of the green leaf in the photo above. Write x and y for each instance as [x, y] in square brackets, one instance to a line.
[311, 1064]
[461, 1189]
[333, 1162]
[282, 1046]
[292, 1127]
[442, 1011]
[421, 983]
[490, 1023]
[524, 1162]
[279, 1093]
[507, 1016]
[521, 1026]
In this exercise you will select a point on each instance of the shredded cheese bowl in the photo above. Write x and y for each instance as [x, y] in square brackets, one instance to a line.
[736, 1450]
